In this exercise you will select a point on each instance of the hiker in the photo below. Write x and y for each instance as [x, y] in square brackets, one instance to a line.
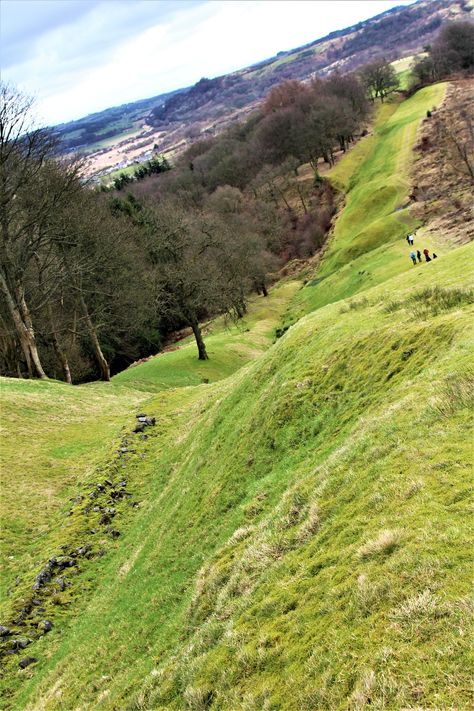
[413, 257]
[411, 239]
[427, 255]
[435, 256]
[418, 255]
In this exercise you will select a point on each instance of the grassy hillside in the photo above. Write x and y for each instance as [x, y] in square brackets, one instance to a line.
[368, 244]
[66, 434]
[305, 542]
[299, 536]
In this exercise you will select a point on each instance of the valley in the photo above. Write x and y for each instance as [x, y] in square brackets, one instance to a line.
[295, 532]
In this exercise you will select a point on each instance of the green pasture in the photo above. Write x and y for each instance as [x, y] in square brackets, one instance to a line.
[303, 536]
[298, 533]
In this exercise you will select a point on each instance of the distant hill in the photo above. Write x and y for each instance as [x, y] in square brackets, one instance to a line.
[167, 123]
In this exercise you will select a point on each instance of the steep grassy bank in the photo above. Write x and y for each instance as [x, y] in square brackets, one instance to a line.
[368, 243]
[67, 434]
[301, 538]
[305, 544]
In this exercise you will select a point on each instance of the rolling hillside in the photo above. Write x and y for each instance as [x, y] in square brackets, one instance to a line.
[292, 533]
[167, 123]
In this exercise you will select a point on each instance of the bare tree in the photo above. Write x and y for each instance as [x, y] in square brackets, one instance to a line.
[456, 132]
[32, 187]
[380, 79]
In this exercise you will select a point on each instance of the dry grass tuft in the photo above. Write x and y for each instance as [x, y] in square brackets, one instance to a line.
[360, 698]
[423, 605]
[384, 544]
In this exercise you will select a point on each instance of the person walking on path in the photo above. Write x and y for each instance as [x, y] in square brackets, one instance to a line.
[427, 255]
[411, 239]
[418, 255]
[413, 257]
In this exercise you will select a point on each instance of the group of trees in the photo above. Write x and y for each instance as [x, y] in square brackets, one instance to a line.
[380, 79]
[452, 52]
[154, 166]
[92, 280]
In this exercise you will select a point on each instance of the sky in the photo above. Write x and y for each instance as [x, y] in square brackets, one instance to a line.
[80, 56]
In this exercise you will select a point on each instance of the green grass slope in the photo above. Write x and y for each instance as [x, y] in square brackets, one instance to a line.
[66, 434]
[52, 437]
[229, 347]
[299, 535]
[368, 243]
[305, 543]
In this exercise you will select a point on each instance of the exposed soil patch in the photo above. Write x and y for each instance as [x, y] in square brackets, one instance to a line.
[442, 186]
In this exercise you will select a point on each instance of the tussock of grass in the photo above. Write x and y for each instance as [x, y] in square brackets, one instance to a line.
[456, 393]
[424, 605]
[433, 300]
[384, 544]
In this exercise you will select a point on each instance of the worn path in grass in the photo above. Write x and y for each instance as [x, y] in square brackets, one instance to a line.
[368, 245]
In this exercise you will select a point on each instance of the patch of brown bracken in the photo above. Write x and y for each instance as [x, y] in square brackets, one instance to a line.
[441, 191]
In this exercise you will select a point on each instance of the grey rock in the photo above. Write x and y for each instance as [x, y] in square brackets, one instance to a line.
[26, 661]
[61, 583]
[4, 631]
[43, 577]
[64, 562]
[45, 625]
[83, 550]
[21, 643]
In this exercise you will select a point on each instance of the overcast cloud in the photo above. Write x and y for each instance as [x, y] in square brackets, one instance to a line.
[81, 56]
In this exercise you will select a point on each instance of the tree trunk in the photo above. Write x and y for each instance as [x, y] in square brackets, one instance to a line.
[60, 354]
[25, 331]
[101, 361]
[31, 337]
[264, 288]
[300, 194]
[199, 340]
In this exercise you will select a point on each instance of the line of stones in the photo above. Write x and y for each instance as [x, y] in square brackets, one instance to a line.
[53, 577]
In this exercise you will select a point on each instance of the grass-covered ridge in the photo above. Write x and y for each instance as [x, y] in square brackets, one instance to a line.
[301, 539]
[368, 244]
[305, 545]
